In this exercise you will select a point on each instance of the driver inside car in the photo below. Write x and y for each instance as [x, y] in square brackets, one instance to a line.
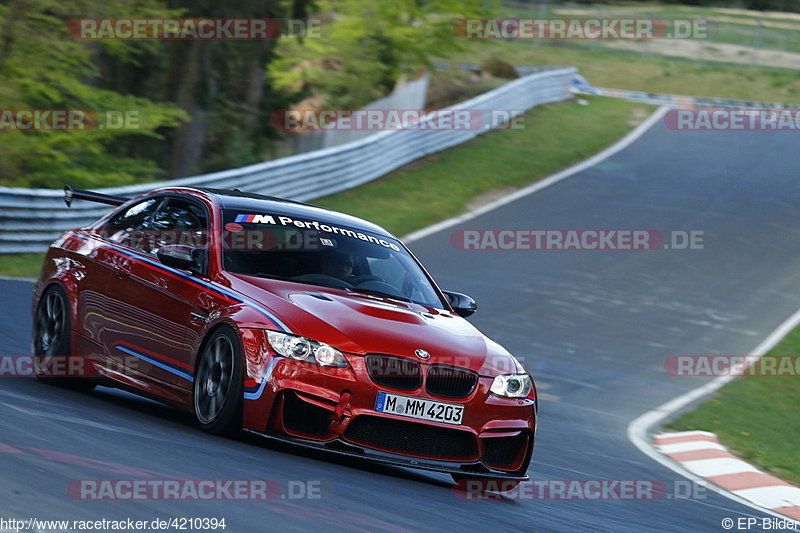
[339, 265]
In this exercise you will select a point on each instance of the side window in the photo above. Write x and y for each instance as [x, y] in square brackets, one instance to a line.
[134, 217]
[179, 214]
[177, 221]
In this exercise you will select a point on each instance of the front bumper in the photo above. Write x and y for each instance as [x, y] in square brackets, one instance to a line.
[315, 407]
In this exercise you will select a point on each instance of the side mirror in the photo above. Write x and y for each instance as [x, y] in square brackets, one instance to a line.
[462, 304]
[183, 257]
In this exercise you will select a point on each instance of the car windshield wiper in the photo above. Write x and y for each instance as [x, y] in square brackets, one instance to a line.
[381, 293]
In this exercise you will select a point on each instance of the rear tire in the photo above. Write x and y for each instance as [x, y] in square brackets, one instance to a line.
[218, 383]
[52, 340]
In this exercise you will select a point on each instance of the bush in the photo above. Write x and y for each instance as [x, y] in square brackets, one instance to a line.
[498, 68]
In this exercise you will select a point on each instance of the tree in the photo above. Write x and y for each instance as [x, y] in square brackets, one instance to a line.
[222, 86]
[204, 105]
[43, 67]
[366, 46]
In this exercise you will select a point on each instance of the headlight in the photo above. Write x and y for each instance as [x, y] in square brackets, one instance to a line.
[512, 385]
[303, 349]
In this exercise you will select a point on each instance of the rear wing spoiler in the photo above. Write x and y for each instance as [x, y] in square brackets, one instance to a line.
[71, 193]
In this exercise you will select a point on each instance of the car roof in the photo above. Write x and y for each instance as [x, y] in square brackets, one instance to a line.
[259, 203]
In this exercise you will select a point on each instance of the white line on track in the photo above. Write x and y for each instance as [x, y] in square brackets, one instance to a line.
[623, 143]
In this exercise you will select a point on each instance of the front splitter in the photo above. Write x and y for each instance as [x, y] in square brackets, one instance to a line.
[342, 448]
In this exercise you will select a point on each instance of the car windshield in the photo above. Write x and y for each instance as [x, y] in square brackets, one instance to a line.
[321, 253]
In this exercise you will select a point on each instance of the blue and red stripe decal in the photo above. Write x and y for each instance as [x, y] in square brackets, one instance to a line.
[254, 392]
[172, 366]
[183, 370]
[191, 280]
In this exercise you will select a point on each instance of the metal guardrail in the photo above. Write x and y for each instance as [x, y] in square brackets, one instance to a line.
[522, 70]
[30, 219]
[684, 101]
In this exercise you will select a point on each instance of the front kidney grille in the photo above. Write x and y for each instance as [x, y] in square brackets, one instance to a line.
[450, 382]
[394, 372]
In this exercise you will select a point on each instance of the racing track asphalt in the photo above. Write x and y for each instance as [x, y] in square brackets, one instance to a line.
[593, 327]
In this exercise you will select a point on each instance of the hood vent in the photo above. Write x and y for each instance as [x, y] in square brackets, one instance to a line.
[319, 296]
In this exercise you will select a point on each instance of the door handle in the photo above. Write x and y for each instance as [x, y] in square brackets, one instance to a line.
[121, 274]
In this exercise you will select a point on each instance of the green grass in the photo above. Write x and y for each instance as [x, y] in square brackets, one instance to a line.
[756, 417]
[651, 73]
[21, 265]
[440, 186]
[746, 35]
[606, 67]
[722, 27]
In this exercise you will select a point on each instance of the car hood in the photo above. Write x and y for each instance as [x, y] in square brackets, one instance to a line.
[361, 324]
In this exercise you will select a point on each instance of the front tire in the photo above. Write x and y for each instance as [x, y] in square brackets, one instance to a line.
[51, 343]
[218, 383]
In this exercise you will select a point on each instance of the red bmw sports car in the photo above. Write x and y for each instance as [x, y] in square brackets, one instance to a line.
[286, 320]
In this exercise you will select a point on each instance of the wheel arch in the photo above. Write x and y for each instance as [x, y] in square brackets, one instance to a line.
[210, 333]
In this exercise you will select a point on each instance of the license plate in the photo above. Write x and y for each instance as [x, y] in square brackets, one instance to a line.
[419, 408]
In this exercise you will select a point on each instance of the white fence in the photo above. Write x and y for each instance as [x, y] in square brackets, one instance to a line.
[30, 219]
